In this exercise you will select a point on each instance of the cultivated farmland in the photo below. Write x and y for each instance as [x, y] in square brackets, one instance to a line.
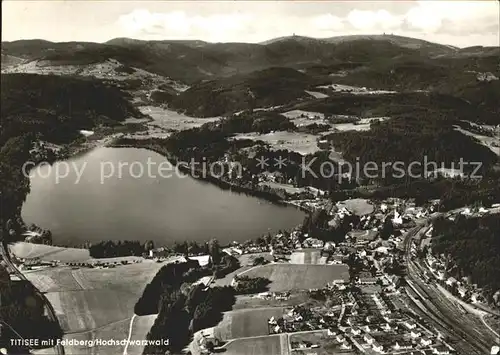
[307, 256]
[96, 303]
[116, 331]
[301, 143]
[298, 277]
[246, 322]
[251, 301]
[49, 253]
[140, 328]
[266, 345]
[63, 255]
[174, 121]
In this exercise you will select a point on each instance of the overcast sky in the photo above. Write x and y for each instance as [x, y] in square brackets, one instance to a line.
[462, 23]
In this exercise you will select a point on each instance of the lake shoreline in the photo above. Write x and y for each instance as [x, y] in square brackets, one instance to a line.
[78, 148]
[224, 185]
[110, 142]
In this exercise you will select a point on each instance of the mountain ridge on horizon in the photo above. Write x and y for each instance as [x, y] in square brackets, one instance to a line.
[326, 40]
[384, 62]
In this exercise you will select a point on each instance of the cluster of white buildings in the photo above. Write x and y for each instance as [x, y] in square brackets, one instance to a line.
[464, 290]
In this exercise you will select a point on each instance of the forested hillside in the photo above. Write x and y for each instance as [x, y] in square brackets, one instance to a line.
[473, 246]
[411, 138]
[266, 88]
[58, 107]
[51, 108]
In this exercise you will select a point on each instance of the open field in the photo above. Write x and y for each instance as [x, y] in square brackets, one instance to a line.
[304, 118]
[165, 121]
[490, 142]
[327, 345]
[117, 331]
[317, 95]
[140, 328]
[172, 120]
[356, 90]
[295, 114]
[98, 303]
[51, 253]
[61, 279]
[251, 301]
[248, 259]
[301, 143]
[344, 127]
[246, 322]
[77, 310]
[266, 345]
[298, 277]
[307, 256]
[358, 206]
[287, 187]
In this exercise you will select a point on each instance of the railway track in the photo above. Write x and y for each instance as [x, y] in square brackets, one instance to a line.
[468, 336]
[462, 337]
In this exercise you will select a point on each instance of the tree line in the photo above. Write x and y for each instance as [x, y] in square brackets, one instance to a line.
[112, 249]
[182, 306]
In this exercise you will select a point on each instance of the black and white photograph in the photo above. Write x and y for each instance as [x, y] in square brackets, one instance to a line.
[250, 177]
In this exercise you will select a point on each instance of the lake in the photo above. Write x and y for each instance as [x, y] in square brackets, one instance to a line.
[102, 195]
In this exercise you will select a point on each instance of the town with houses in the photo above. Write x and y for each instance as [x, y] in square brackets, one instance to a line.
[367, 312]
[371, 307]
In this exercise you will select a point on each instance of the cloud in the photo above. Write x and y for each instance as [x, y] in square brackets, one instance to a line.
[453, 17]
[328, 22]
[254, 23]
[179, 24]
[369, 20]
[450, 22]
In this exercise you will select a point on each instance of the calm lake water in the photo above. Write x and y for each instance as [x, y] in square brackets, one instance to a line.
[128, 207]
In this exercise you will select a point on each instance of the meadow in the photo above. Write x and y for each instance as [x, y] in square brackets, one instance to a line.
[301, 143]
[173, 121]
[307, 256]
[245, 323]
[266, 345]
[64, 255]
[358, 206]
[93, 303]
[292, 277]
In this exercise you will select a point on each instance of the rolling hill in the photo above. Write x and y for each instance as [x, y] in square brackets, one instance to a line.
[191, 61]
[266, 88]
[222, 75]
[405, 42]
[58, 107]
[165, 58]
[9, 60]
